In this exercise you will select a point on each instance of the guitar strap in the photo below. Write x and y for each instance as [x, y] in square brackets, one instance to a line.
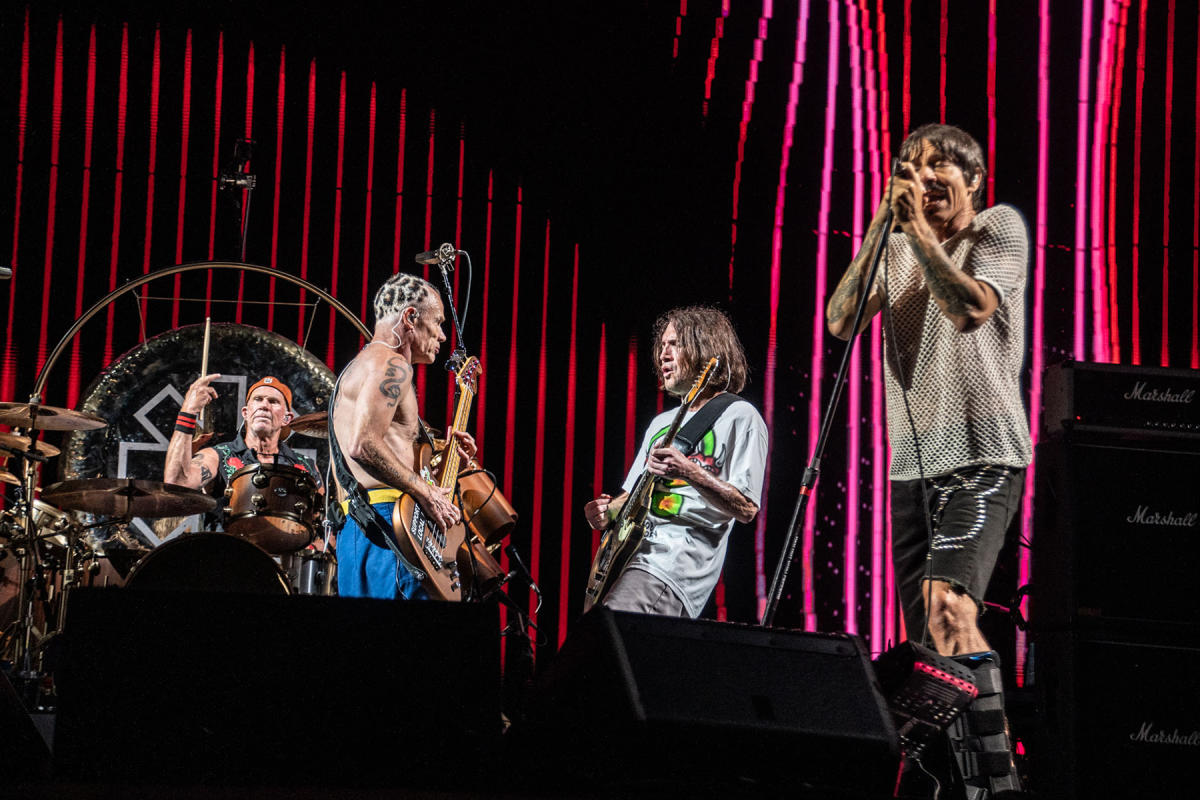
[701, 423]
[359, 506]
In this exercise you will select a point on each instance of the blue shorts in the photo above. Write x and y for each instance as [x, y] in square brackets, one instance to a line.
[369, 568]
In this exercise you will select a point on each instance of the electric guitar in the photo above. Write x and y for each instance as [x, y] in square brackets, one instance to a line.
[624, 534]
[433, 550]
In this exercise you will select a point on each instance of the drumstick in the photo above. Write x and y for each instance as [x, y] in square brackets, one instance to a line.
[204, 364]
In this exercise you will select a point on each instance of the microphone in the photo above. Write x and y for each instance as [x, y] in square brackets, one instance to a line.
[522, 570]
[896, 164]
[5, 273]
[236, 180]
[444, 253]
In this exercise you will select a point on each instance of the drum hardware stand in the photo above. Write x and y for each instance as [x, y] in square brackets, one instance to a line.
[235, 176]
[29, 558]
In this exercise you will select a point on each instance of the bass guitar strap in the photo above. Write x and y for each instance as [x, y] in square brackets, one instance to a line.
[701, 423]
[359, 506]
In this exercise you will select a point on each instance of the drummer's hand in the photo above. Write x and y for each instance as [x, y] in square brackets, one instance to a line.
[466, 444]
[438, 507]
[200, 394]
[597, 512]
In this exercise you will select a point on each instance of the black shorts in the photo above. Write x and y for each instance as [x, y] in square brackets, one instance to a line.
[970, 510]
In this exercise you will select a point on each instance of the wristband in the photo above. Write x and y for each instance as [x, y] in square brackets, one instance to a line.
[185, 422]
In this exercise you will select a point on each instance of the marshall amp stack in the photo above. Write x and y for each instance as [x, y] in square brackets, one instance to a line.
[1114, 600]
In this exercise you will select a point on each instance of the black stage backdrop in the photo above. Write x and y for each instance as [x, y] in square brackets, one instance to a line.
[601, 162]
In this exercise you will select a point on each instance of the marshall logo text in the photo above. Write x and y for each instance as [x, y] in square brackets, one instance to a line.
[1144, 516]
[1147, 734]
[1139, 392]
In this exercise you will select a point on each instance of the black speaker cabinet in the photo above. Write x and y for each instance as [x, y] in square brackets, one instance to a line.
[687, 705]
[222, 688]
[1117, 534]
[1122, 712]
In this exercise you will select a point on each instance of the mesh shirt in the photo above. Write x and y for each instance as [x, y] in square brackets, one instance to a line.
[964, 389]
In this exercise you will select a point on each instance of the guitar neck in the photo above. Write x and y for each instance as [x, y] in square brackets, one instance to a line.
[450, 456]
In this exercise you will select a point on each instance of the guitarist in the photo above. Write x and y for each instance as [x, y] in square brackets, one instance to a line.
[375, 427]
[700, 490]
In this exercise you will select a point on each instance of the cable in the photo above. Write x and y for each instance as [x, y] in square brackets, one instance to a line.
[470, 279]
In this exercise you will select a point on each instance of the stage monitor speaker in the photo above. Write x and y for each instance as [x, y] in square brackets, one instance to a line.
[1117, 534]
[1122, 712]
[635, 700]
[192, 688]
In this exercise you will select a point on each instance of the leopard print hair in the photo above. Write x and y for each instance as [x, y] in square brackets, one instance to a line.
[402, 291]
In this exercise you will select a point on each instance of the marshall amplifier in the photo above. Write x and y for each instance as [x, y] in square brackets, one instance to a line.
[1122, 712]
[1123, 401]
[1117, 534]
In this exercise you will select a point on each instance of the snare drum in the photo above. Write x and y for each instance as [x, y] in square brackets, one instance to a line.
[273, 506]
[311, 572]
[215, 562]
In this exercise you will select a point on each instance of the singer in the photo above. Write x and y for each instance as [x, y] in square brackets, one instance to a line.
[265, 416]
[373, 435]
[952, 290]
[710, 477]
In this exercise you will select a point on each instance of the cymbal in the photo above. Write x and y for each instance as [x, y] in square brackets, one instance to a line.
[22, 443]
[127, 497]
[48, 418]
[315, 424]
[8, 477]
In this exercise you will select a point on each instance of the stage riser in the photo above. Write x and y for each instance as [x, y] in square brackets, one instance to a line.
[215, 687]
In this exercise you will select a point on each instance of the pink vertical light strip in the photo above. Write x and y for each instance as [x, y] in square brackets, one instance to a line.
[631, 380]
[818, 321]
[118, 186]
[943, 37]
[598, 441]
[216, 166]
[89, 117]
[743, 128]
[879, 550]
[8, 369]
[152, 159]
[403, 130]
[1114, 336]
[1100, 287]
[714, 53]
[1037, 327]
[880, 518]
[421, 376]
[481, 396]
[991, 96]
[280, 98]
[310, 125]
[772, 359]
[678, 29]
[566, 523]
[1135, 325]
[853, 477]
[338, 186]
[1164, 356]
[1084, 100]
[366, 259]
[1194, 360]
[185, 132]
[52, 199]
[510, 410]
[539, 436]
[906, 78]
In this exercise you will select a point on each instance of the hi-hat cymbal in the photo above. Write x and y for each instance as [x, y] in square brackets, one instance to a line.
[15, 442]
[48, 418]
[315, 424]
[127, 497]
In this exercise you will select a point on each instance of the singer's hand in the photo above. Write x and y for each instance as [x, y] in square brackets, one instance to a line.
[907, 195]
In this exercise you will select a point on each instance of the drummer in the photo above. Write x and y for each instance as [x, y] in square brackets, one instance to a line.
[265, 416]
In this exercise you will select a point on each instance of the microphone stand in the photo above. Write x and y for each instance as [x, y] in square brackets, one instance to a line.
[809, 480]
[445, 263]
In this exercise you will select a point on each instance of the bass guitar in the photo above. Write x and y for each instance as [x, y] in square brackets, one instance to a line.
[426, 546]
[624, 534]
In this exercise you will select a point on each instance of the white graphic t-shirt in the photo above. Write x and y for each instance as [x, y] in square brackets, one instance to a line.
[686, 537]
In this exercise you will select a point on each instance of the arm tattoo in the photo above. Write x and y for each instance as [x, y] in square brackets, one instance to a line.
[395, 380]
[205, 473]
[941, 283]
[844, 296]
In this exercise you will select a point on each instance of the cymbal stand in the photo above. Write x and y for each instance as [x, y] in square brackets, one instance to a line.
[28, 556]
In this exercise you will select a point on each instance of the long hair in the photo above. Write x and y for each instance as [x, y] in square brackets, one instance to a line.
[704, 332]
[958, 146]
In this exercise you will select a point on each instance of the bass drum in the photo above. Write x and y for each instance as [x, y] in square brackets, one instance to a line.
[211, 562]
